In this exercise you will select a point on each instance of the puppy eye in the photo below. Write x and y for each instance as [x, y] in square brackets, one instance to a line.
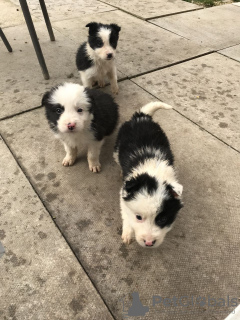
[162, 220]
[138, 217]
[59, 111]
[79, 110]
[99, 43]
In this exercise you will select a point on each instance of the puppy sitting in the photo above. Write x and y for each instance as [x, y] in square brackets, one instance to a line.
[78, 116]
[151, 195]
[96, 58]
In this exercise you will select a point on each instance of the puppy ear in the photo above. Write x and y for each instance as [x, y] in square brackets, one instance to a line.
[115, 27]
[175, 189]
[129, 188]
[131, 185]
[135, 184]
[45, 98]
[93, 26]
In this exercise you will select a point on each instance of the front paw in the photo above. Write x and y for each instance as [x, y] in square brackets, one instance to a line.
[115, 89]
[68, 161]
[95, 167]
[101, 83]
[127, 236]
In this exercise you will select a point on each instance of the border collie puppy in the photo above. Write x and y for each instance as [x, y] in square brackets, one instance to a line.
[80, 116]
[150, 197]
[95, 59]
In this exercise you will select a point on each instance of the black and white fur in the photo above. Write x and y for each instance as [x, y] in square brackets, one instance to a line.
[80, 116]
[95, 59]
[150, 197]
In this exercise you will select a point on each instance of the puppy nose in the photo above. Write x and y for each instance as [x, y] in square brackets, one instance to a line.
[109, 55]
[71, 126]
[149, 243]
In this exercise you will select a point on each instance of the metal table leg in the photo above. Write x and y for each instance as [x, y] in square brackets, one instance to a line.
[4, 39]
[47, 21]
[33, 35]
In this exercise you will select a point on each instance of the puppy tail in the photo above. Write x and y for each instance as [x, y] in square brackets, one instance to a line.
[151, 107]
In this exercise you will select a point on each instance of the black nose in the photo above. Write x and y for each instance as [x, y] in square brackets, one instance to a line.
[109, 55]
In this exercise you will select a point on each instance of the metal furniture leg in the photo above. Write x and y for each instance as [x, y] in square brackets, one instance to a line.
[4, 39]
[33, 35]
[47, 20]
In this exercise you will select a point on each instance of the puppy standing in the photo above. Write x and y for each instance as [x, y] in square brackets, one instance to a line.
[151, 195]
[96, 58]
[80, 116]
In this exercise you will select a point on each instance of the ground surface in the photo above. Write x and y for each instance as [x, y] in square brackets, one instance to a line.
[61, 227]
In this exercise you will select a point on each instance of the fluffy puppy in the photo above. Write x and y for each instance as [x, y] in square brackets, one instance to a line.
[150, 197]
[95, 59]
[80, 116]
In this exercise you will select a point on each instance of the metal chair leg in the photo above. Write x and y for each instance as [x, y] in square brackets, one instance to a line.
[33, 35]
[47, 20]
[4, 39]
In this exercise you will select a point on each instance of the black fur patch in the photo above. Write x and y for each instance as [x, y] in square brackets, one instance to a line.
[169, 212]
[141, 132]
[105, 113]
[83, 61]
[51, 109]
[142, 181]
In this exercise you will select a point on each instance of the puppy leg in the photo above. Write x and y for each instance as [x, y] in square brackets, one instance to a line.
[127, 230]
[86, 82]
[112, 75]
[101, 81]
[71, 155]
[94, 150]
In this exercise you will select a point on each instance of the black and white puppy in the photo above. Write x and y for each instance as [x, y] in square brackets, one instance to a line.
[95, 59]
[80, 116]
[150, 197]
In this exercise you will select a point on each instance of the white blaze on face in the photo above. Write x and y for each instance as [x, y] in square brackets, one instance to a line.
[72, 97]
[104, 34]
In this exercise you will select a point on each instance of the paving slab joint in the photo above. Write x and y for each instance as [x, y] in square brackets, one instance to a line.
[125, 11]
[202, 128]
[172, 64]
[172, 14]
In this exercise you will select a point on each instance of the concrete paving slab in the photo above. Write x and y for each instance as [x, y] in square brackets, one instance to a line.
[232, 52]
[145, 9]
[2, 250]
[22, 82]
[40, 276]
[205, 90]
[142, 46]
[11, 15]
[206, 26]
[200, 256]
[60, 9]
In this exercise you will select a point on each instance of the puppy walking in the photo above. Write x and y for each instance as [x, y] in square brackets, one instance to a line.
[80, 116]
[150, 197]
[95, 59]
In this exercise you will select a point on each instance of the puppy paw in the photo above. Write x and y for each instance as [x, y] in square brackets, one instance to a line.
[67, 161]
[114, 89]
[101, 83]
[95, 168]
[127, 236]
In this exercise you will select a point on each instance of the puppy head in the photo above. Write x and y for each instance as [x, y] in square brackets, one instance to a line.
[103, 39]
[67, 108]
[151, 207]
